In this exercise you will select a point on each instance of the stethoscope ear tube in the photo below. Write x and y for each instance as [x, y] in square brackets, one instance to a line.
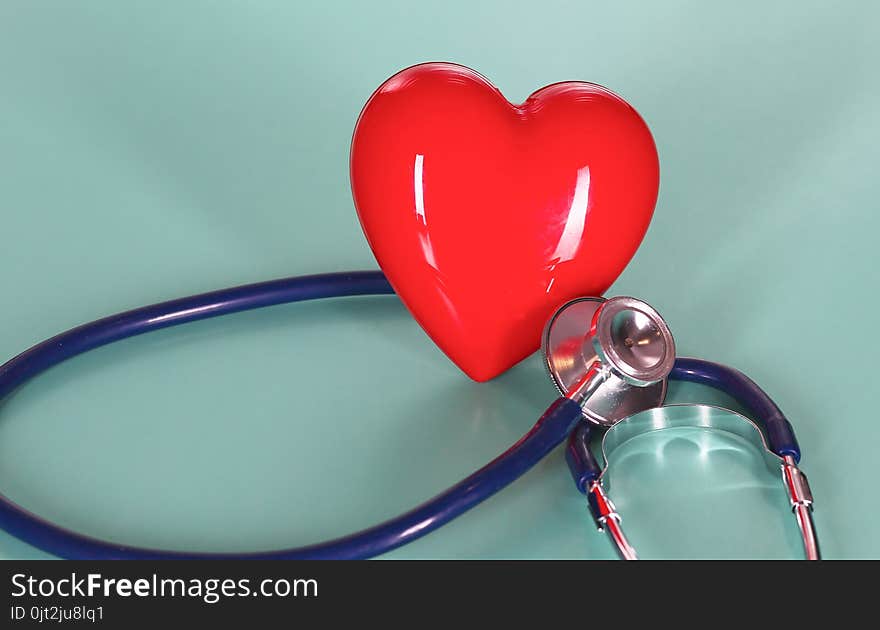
[776, 427]
[587, 474]
[777, 440]
[581, 462]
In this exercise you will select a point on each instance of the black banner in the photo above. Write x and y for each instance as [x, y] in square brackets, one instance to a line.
[129, 593]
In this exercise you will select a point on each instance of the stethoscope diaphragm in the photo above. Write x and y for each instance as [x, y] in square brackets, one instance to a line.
[612, 356]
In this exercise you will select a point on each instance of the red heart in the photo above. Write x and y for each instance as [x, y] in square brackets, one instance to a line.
[485, 216]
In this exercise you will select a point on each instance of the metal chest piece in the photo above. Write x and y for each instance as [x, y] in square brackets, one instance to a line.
[611, 356]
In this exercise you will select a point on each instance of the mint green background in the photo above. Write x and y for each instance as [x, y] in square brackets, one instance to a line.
[150, 150]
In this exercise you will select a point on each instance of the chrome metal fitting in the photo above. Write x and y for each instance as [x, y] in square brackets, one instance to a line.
[796, 484]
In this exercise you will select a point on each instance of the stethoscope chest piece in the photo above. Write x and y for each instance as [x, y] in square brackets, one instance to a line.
[611, 356]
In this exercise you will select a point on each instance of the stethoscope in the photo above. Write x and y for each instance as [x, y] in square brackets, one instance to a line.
[610, 360]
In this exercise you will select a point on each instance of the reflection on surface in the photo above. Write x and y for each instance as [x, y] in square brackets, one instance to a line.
[693, 492]
[576, 219]
[419, 195]
[570, 240]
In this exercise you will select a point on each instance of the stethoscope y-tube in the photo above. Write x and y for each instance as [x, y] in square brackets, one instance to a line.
[553, 428]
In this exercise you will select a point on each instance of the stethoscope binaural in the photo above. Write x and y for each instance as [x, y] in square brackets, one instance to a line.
[613, 357]
[610, 360]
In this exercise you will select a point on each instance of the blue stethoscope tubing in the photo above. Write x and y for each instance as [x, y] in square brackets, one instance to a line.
[551, 430]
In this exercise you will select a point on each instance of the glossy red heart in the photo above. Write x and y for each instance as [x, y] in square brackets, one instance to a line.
[485, 216]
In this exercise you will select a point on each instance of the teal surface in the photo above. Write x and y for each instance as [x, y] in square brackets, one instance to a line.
[154, 150]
